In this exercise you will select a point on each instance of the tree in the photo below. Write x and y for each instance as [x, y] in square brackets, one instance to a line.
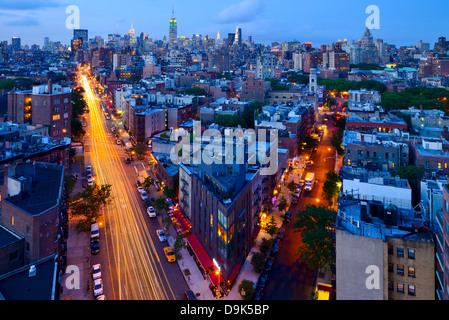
[87, 204]
[258, 261]
[179, 243]
[315, 225]
[229, 120]
[148, 182]
[283, 204]
[265, 246]
[292, 185]
[246, 289]
[411, 173]
[69, 184]
[139, 149]
[271, 227]
[160, 204]
[310, 142]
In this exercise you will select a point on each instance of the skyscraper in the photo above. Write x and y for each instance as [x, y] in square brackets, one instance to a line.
[16, 43]
[173, 32]
[83, 35]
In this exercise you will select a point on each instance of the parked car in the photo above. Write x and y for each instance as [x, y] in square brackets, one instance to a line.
[101, 297]
[151, 212]
[138, 183]
[169, 254]
[96, 271]
[298, 191]
[140, 189]
[94, 246]
[287, 217]
[144, 195]
[88, 170]
[98, 287]
[148, 203]
[275, 247]
[118, 141]
[294, 199]
[161, 235]
[189, 295]
[268, 265]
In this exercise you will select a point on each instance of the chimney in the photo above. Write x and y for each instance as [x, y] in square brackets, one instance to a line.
[32, 271]
[50, 86]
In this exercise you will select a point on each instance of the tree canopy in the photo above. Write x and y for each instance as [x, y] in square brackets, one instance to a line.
[315, 225]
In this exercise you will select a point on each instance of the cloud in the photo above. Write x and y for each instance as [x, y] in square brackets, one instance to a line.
[245, 11]
[21, 22]
[27, 4]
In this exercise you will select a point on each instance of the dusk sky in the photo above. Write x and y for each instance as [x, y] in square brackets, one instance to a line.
[319, 22]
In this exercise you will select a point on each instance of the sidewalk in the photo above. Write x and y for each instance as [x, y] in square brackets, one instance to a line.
[78, 253]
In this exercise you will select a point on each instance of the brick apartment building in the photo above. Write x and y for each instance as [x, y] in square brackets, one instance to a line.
[49, 105]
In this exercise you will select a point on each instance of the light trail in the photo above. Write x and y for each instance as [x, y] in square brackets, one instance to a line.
[140, 274]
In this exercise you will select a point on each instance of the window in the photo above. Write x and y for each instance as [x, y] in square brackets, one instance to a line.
[400, 270]
[411, 290]
[390, 285]
[56, 117]
[400, 287]
[411, 272]
[411, 253]
[13, 255]
[12, 220]
[400, 252]
[390, 249]
[390, 267]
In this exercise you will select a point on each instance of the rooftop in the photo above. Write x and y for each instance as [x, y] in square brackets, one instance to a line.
[45, 182]
[18, 285]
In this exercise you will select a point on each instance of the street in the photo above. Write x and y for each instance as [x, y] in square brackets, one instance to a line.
[133, 263]
[290, 278]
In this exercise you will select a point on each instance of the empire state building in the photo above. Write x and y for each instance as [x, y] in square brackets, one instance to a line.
[173, 33]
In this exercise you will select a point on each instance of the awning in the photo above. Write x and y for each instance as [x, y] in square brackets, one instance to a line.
[234, 273]
[199, 251]
[215, 278]
[185, 225]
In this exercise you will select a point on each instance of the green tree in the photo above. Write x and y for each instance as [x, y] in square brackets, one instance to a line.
[69, 185]
[411, 173]
[228, 120]
[271, 227]
[265, 246]
[139, 149]
[258, 261]
[160, 204]
[179, 243]
[148, 182]
[315, 225]
[283, 204]
[310, 142]
[292, 185]
[246, 289]
[87, 204]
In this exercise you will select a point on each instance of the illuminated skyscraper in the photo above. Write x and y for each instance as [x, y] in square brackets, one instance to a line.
[173, 32]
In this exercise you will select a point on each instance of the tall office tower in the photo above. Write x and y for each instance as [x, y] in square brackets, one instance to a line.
[173, 32]
[370, 53]
[231, 39]
[16, 43]
[46, 42]
[238, 37]
[83, 35]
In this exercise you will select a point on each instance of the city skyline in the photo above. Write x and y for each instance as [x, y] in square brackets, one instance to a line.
[266, 22]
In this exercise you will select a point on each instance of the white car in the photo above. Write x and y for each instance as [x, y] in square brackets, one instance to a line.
[98, 287]
[96, 271]
[144, 196]
[151, 212]
[101, 297]
[140, 189]
[161, 235]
